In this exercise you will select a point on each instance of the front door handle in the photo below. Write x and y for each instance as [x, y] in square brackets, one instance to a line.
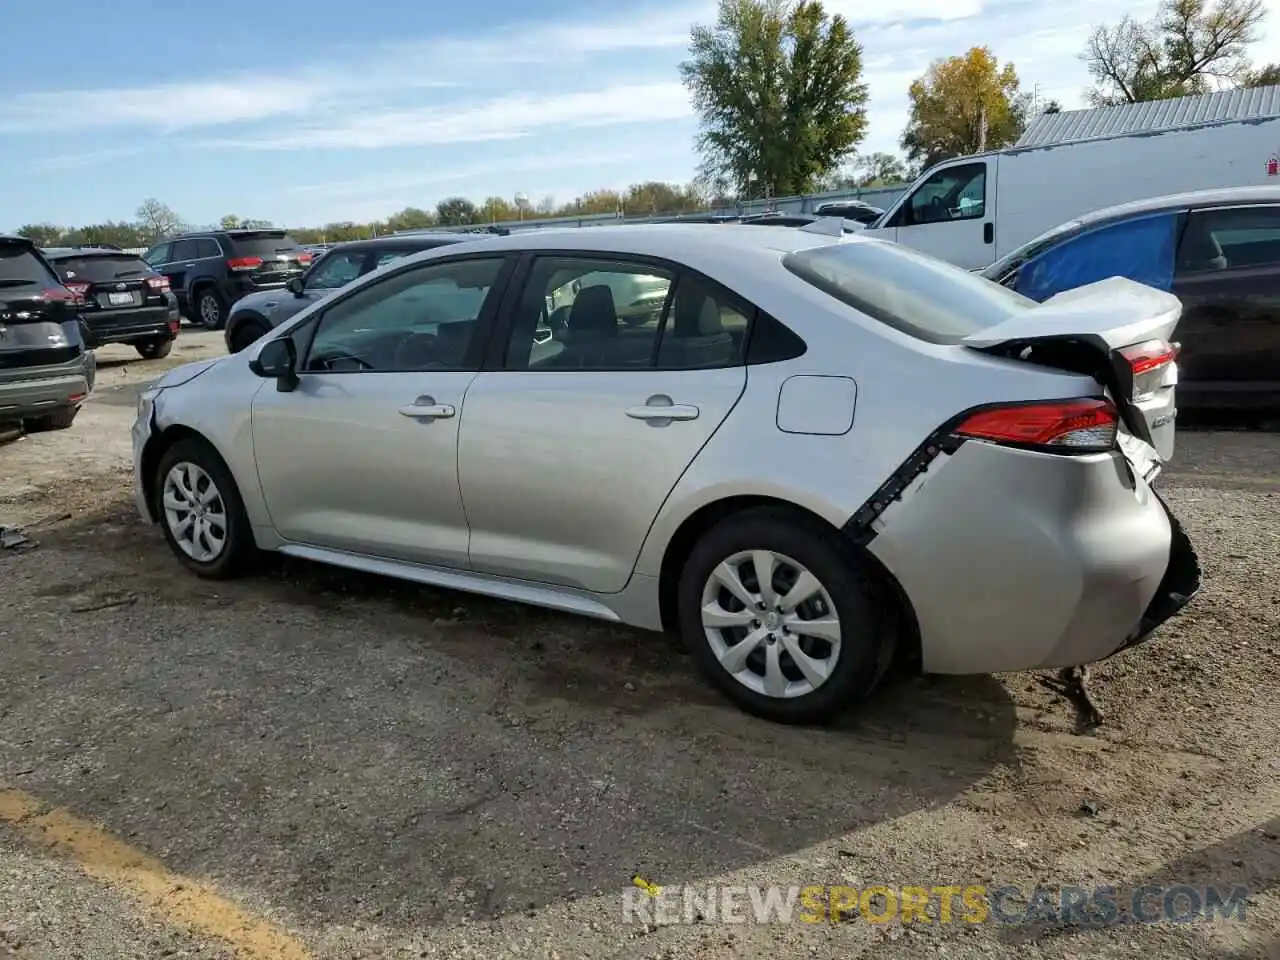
[662, 408]
[426, 408]
[988, 233]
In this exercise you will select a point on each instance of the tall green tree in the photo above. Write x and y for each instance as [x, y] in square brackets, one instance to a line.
[1190, 47]
[457, 212]
[157, 220]
[778, 87]
[964, 105]
[42, 234]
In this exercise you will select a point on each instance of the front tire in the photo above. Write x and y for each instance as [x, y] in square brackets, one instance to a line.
[201, 512]
[775, 611]
[210, 311]
[246, 334]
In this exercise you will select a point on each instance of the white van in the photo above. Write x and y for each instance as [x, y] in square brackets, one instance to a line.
[973, 210]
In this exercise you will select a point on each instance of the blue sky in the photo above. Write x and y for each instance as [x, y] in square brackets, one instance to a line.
[308, 112]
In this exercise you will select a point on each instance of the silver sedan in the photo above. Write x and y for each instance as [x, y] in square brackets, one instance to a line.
[810, 456]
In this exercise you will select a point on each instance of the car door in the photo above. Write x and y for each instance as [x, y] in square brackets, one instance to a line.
[362, 455]
[950, 215]
[571, 441]
[181, 263]
[1228, 278]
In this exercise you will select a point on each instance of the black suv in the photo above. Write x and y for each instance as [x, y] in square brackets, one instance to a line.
[255, 315]
[122, 300]
[45, 370]
[211, 270]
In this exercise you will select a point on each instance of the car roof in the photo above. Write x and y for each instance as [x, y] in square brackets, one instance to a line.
[724, 252]
[403, 240]
[14, 238]
[1223, 196]
[62, 253]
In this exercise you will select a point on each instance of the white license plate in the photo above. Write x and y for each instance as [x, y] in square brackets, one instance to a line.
[119, 299]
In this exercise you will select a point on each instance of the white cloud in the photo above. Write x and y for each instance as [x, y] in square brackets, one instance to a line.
[505, 118]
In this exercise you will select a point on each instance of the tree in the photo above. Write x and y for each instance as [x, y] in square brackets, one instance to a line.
[157, 220]
[879, 169]
[42, 234]
[964, 105]
[778, 88]
[410, 218]
[229, 222]
[1268, 76]
[1053, 106]
[456, 212]
[1190, 46]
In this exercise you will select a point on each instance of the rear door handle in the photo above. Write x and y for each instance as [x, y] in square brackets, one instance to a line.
[426, 408]
[663, 411]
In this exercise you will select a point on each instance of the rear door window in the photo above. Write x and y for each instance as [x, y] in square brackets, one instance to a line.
[908, 290]
[102, 269]
[207, 248]
[1229, 239]
[185, 250]
[266, 244]
[1141, 249]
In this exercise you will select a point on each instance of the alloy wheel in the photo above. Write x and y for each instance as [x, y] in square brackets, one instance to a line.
[771, 623]
[195, 512]
[210, 312]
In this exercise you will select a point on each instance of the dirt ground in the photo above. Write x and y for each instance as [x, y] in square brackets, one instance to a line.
[315, 764]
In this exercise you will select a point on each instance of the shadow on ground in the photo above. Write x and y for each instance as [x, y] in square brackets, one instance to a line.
[350, 747]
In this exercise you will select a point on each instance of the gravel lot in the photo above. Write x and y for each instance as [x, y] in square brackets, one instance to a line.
[314, 764]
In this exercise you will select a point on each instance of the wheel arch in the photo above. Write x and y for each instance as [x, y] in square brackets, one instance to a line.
[155, 449]
[893, 607]
[238, 320]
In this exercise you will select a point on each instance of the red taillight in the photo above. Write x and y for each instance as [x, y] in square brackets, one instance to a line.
[61, 294]
[244, 263]
[158, 283]
[1145, 357]
[1076, 426]
[304, 258]
[78, 290]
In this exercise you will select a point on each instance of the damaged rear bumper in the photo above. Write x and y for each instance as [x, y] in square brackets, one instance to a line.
[1179, 586]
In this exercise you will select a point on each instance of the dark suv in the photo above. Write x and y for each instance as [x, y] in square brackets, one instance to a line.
[45, 370]
[258, 313]
[122, 299]
[209, 271]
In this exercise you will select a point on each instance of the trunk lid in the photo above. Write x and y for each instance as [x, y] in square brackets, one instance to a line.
[1117, 331]
[268, 256]
[39, 322]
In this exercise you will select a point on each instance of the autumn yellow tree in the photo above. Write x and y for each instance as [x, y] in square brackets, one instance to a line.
[964, 105]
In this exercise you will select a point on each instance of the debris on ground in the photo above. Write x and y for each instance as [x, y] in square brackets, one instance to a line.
[12, 538]
[1073, 683]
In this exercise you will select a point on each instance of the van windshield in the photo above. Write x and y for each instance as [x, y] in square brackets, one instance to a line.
[908, 290]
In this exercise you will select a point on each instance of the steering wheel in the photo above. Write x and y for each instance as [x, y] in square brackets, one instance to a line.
[417, 351]
[333, 358]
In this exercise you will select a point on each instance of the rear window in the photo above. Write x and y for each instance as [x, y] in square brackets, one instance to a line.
[19, 262]
[264, 244]
[908, 290]
[101, 269]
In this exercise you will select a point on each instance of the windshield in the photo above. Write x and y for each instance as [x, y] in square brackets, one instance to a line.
[1010, 262]
[264, 244]
[102, 268]
[908, 290]
[21, 265]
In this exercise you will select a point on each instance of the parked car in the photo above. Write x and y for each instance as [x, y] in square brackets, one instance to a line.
[855, 210]
[211, 270]
[972, 211]
[798, 220]
[122, 300]
[45, 371]
[800, 526]
[253, 315]
[1218, 251]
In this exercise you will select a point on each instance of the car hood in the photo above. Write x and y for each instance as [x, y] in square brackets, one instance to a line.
[262, 300]
[187, 372]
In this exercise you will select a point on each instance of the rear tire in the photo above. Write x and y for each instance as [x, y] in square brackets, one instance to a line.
[201, 512]
[247, 334]
[209, 310]
[156, 349]
[60, 420]
[755, 656]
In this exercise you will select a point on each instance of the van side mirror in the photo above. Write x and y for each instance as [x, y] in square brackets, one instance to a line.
[278, 360]
[294, 286]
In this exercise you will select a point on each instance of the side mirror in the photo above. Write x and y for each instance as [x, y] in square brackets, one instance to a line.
[294, 286]
[278, 360]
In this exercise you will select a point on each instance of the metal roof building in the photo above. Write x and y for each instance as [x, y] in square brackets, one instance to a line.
[1069, 126]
